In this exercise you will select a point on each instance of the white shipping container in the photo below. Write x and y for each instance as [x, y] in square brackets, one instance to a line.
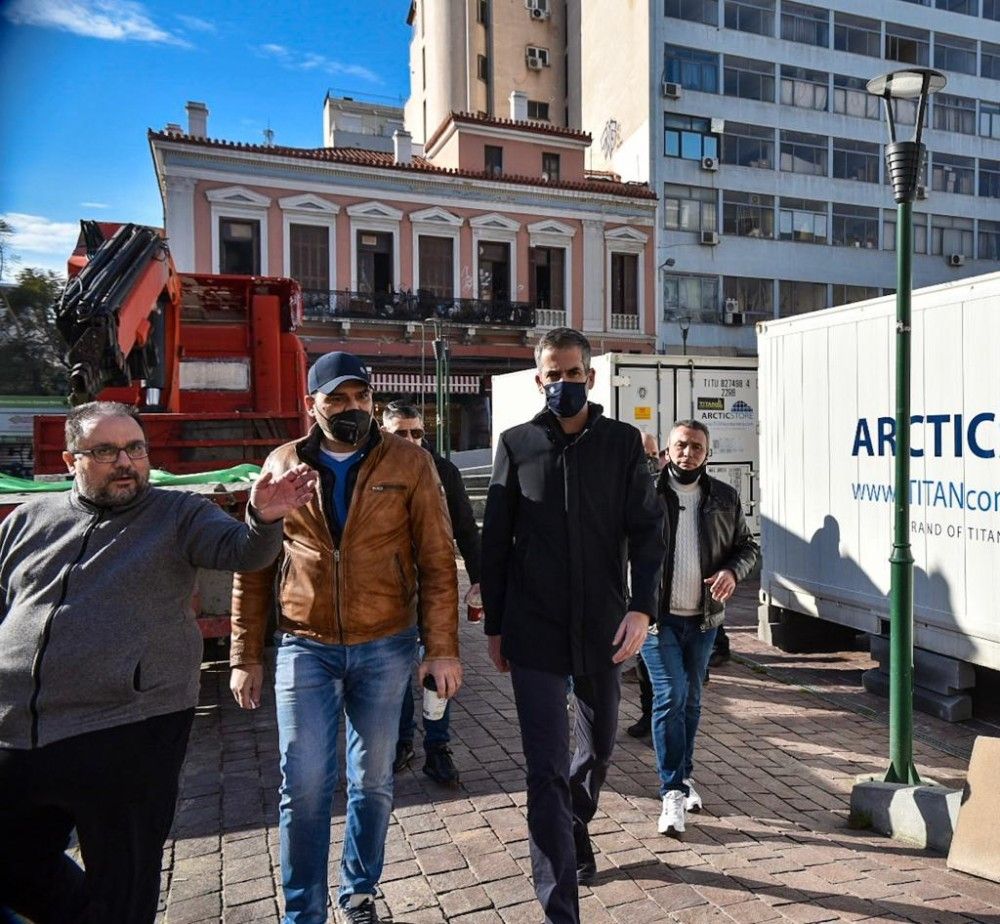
[651, 392]
[827, 383]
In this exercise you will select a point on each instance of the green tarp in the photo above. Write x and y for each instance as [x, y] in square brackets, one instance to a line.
[238, 473]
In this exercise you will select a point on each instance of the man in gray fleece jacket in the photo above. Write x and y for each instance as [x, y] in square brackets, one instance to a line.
[99, 657]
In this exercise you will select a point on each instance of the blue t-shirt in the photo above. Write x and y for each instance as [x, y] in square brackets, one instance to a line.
[339, 499]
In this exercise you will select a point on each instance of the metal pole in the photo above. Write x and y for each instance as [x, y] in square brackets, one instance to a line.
[438, 390]
[446, 362]
[901, 768]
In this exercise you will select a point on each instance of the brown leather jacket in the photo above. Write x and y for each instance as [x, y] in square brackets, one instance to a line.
[363, 587]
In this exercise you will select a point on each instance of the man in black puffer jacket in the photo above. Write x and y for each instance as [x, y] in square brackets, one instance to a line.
[570, 502]
[709, 549]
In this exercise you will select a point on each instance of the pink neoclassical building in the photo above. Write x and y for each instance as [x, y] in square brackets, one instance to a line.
[491, 234]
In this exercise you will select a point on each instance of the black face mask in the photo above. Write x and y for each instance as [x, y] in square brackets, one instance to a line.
[349, 427]
[685, 475]
[566, 399]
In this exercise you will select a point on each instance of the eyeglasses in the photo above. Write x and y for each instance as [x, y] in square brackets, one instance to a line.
[415, 433]
[107, 453]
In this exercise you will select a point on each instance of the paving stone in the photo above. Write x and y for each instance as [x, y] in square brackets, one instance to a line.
[192, 910]
[440, 859]
[465, 901]
[182, 887]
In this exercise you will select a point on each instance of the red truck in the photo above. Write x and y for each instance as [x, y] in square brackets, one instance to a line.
[212, 361]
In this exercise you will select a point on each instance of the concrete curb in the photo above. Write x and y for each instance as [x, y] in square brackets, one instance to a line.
[922, 815]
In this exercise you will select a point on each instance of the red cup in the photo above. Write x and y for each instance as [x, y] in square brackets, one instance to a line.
[473, 613]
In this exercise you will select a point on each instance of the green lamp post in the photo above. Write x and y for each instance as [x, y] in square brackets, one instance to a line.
[903, 160]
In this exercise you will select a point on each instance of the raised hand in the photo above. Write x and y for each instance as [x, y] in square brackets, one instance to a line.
[271, 498]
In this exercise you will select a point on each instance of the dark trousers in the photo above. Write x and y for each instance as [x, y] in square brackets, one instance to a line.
[118, 788]
[563, 793]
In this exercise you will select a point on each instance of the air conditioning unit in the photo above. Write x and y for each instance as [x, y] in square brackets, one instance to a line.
[717, 126]
[956, 259]
[709, 163]
[671, 90]
[732, 313]
[921, 192]
[537, 58]
[536, 13]
[710, 237]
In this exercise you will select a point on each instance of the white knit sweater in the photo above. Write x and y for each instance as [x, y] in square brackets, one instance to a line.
[685, 589]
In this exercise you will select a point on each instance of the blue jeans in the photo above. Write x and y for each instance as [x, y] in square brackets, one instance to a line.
[314, 682]
[676, 657]
[435, 730]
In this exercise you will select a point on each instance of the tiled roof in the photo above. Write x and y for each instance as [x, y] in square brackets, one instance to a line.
[385, 160]
[538, 128]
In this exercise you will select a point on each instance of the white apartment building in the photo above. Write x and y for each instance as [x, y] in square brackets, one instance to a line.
[750, 120]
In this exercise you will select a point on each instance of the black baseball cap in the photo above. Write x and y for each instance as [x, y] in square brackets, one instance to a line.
[333, 369]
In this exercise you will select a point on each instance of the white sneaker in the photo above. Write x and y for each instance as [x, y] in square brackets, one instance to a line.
[693, 801]
[672, 814]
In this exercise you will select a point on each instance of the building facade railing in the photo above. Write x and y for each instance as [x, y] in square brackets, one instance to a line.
[624, 321]
[717, 316]
[550, 317]
[321, 305]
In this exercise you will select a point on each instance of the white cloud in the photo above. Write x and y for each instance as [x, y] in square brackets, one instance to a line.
[40, 242]
[113, 20]
[195, 24]
[95, 205]
[310, 61]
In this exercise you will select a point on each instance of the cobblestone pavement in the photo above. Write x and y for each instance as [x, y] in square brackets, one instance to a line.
[782, 739]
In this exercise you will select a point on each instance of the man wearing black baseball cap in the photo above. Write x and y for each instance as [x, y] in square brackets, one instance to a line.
[349, 614]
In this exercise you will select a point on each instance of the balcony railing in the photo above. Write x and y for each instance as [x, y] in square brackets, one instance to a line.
[717, 316]
[550, 317]
[319, 305]
[624, 322]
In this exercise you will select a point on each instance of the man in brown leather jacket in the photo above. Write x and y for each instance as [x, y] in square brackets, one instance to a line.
[349, 614]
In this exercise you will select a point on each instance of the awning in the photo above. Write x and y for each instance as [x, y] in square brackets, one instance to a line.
[415, 383]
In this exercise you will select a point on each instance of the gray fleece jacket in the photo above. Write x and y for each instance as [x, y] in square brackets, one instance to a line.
[96, 627]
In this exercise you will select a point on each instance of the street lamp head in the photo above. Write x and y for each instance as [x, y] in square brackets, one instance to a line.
[907, 84]
[684, 323]
[670, 261]
[904, 159]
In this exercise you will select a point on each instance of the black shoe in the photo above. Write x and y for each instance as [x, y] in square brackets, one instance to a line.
[718, 658]
[404, 754]
[586, 865]
[364, 913]
[641, 728]
[440, 767]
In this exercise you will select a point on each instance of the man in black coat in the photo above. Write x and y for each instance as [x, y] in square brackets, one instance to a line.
[571, 500]
[406, 420]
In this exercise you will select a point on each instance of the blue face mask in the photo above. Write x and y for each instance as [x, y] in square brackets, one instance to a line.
[566, 399]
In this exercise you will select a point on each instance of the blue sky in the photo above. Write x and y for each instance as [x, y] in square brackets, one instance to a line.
[82, 80]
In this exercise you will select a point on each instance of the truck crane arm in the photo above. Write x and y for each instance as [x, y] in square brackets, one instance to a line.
[109, 309]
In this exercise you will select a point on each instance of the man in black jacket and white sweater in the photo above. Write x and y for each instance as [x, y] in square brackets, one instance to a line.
[570, 502]
[709, 549]
[99, 656]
